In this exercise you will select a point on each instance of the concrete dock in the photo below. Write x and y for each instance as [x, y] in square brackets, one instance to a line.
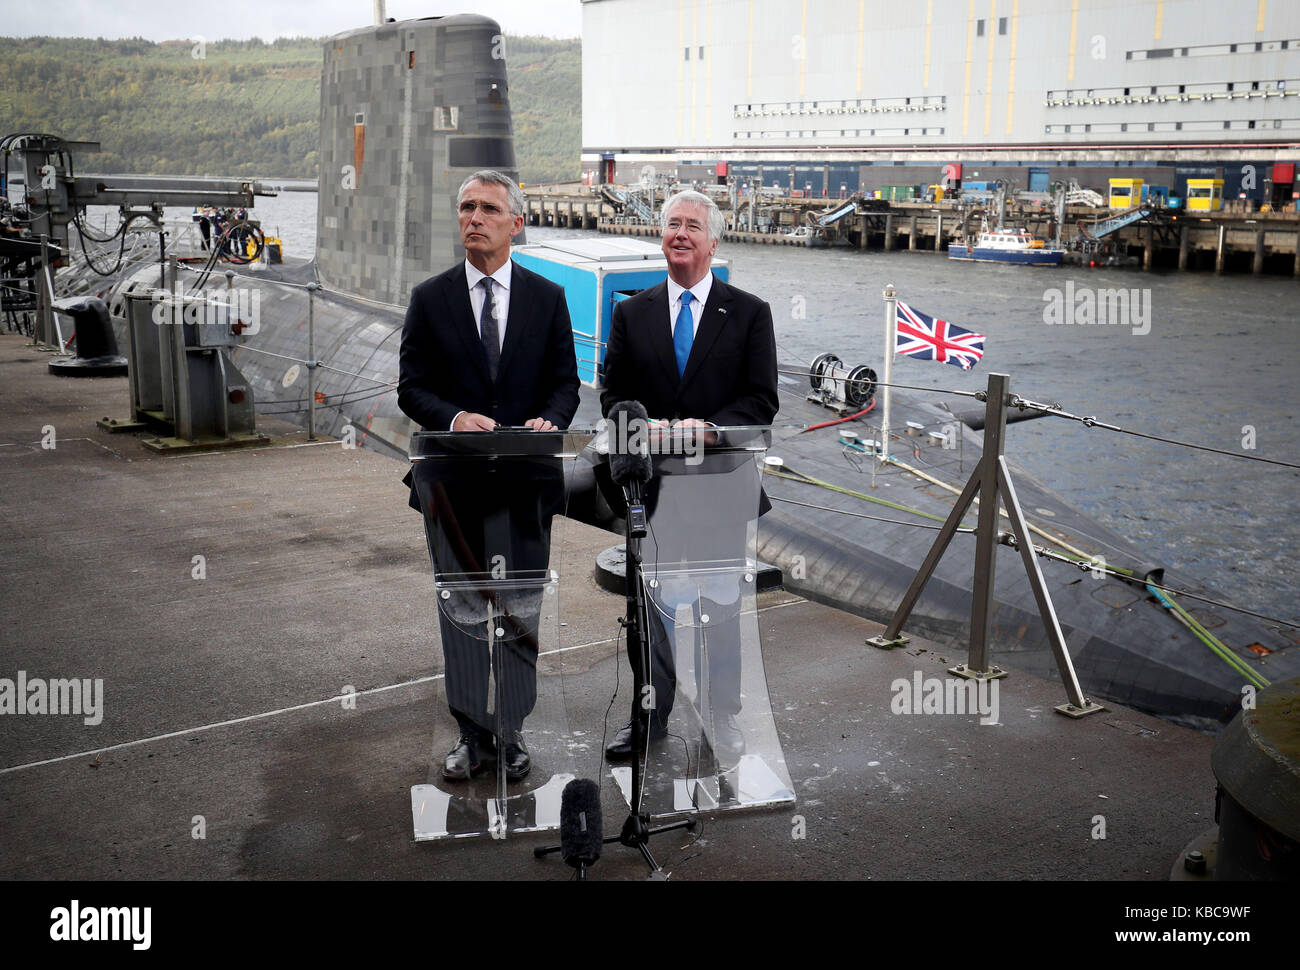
[221, 709]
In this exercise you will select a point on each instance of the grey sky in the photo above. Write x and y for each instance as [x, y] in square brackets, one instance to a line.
[240, 19]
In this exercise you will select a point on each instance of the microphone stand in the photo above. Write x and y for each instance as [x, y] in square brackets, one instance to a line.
[637, 830]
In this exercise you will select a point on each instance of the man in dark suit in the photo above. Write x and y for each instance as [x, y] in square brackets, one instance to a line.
[698, 353]
[488, 343]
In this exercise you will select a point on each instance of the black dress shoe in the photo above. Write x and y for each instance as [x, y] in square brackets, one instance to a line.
[518, 763]
[621, 746]
[465, 760]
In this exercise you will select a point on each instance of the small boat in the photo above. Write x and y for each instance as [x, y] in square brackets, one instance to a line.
[809, 234]
[1007, 246]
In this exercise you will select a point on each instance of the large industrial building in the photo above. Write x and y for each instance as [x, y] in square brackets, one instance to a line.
[835, 96]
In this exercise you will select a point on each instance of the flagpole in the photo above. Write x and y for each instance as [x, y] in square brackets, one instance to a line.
[891, 323]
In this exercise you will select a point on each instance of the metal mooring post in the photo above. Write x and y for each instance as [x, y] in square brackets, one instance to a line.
[891, 328]
[991, 479]
[986, 532]
[312, 363]
[44, 330]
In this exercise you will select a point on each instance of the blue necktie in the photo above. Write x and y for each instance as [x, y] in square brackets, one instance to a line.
[683, 333]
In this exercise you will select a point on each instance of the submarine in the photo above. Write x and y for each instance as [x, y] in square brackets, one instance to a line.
[408, 110]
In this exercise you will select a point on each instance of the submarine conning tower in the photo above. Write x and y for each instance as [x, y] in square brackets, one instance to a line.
[408, 110]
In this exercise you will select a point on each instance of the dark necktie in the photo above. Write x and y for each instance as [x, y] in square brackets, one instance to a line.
[488, 328]
[683, 333]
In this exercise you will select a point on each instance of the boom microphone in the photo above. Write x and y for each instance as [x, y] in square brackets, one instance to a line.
[580, 823]
[629, 450]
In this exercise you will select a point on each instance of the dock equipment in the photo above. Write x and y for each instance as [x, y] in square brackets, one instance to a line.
[183, 382]
[838, 387]
[96, 346]
[1257, 804]
[832, 216]
[1104, 227]
[624, 199]
[57, 198]
[1075, 194]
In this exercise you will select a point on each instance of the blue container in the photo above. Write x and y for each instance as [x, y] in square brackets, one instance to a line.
[596, 274]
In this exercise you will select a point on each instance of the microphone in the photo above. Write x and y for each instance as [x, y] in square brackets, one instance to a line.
[629, 459]
[629, 451]
[580, 823]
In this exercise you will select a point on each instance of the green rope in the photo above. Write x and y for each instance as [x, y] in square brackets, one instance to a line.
[808, 479]
[1219, 648]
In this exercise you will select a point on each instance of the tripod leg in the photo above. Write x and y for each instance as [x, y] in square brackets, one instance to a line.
[891, 638]
[1078, 702]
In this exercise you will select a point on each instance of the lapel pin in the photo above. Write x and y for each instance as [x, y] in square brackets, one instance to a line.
[722, 310]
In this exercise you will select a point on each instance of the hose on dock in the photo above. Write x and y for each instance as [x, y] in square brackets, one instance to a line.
[851, 417]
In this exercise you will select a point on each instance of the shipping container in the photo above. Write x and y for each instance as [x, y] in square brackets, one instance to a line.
[595, 275]
[898, 193]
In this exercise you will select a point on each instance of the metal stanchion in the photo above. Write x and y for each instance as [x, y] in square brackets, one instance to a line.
[991, 479]
[312, 362]
[46, 334]
[891, 323]
[986, 531]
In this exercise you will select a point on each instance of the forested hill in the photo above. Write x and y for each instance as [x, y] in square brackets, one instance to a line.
[244, 107]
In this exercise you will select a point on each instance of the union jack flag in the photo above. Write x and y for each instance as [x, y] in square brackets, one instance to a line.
[930, 339]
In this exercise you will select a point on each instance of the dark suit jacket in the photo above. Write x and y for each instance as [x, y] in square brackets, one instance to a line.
[730, 376]
[444, 369]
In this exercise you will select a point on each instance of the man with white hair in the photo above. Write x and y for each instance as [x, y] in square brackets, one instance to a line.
[697, 352]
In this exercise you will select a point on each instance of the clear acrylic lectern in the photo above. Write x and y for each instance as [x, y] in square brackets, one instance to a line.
[714, 745]
[489, 501]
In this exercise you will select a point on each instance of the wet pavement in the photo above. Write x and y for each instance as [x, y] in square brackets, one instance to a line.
[221, 711]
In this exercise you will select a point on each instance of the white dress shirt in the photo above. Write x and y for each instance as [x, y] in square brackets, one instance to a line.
[500, 296]
[699, 297]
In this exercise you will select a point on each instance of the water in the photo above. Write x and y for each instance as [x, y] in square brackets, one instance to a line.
[1220, 357]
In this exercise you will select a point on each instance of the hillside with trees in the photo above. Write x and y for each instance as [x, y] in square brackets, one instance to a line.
[241, 108]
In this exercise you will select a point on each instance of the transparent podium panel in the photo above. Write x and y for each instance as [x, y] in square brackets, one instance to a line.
[714, 744]
[502, 747]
